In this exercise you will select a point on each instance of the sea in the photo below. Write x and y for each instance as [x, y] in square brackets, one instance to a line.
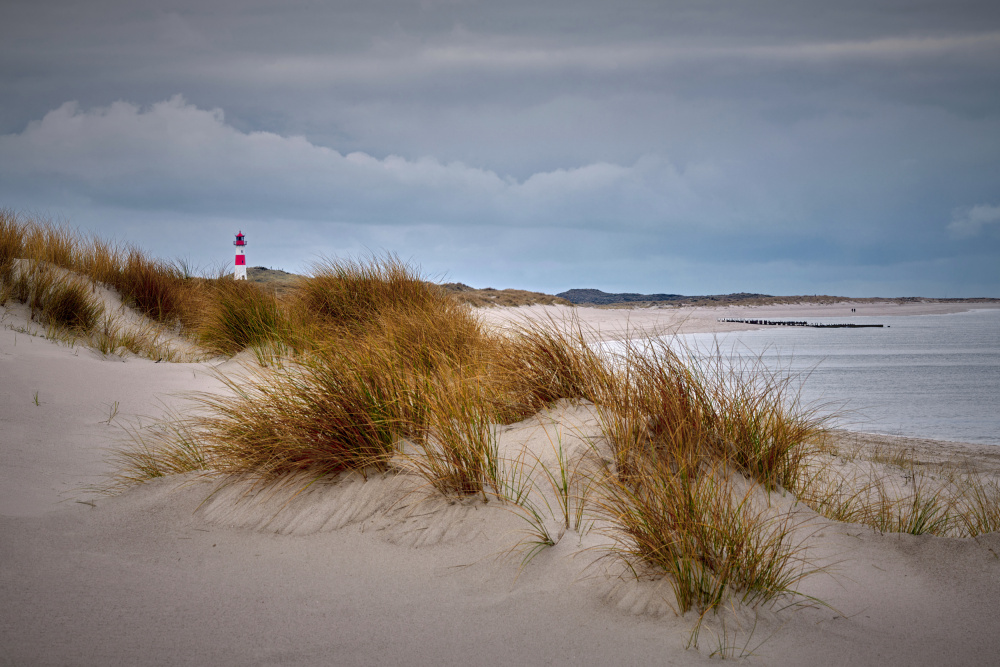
[926, 376]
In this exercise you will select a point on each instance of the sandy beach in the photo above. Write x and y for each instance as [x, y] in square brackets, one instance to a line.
[181, 570]
[613, 323]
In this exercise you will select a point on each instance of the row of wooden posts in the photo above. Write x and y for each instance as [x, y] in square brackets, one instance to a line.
[796, 323]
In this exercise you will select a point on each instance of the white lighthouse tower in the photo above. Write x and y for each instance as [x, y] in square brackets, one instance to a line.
[241, 261]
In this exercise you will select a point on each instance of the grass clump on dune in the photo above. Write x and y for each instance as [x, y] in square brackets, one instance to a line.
[223, 316]
[54, 298]
[762, 423]
[345, 403]
[360, 383]
[330, 413]
[457, 450]
[684, 498]
[168, 447]
[709, 538]
[540, 363]
[68, 303]
[237, 315]
[55, 271]
[355, 293]
[153, 287]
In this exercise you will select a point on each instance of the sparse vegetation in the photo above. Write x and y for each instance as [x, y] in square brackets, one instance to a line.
[167, 447]
[112, 336]
[54, 271]
[888, 491]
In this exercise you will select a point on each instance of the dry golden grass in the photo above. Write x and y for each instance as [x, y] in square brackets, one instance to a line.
[712, 540]
[61, 301]
[457, 451]
[236, 314]
[151, 286]
[370, 372]
[355, 293]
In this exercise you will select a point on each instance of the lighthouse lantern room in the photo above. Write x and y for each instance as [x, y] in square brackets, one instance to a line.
[241, 261]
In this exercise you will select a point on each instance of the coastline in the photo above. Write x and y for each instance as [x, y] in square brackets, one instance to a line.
[619, 323]
[923, 451]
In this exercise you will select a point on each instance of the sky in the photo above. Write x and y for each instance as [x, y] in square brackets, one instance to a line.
[689, 147]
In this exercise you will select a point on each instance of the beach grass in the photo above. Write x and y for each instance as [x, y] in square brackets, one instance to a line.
[168, 447]
[113, 337]
[237, 315]
[698, 443]
[54, 298]
[889, 492]
[712, 540]
[457, 453]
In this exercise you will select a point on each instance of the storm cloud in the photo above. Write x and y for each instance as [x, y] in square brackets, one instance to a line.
[693, 147]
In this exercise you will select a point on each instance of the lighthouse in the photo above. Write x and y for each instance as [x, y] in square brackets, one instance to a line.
[241, 261]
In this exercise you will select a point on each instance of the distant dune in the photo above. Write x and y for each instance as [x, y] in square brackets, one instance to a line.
[596, 297]
[489, 297]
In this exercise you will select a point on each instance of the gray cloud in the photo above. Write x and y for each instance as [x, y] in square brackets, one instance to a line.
[760, 146]
[174, 155]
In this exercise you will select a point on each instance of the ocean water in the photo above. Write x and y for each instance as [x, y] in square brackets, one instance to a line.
[930, 376]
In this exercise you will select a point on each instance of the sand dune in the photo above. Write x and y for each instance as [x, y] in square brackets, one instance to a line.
[189, 570]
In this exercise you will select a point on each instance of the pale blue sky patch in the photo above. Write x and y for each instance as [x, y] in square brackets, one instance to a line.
[975, 220]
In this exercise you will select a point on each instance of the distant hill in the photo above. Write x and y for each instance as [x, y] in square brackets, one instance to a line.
[599, 298]
[489, 297]
[284, 282]
[595, 297]
[281, 281]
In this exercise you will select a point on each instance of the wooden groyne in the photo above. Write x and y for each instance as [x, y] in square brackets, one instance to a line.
[795, 323]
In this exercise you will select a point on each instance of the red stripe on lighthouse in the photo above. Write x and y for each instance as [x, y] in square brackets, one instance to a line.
[241, 260]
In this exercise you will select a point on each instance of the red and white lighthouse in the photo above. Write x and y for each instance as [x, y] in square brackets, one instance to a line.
[241, 261]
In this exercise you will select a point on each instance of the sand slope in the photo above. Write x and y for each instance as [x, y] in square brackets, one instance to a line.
[179, 571]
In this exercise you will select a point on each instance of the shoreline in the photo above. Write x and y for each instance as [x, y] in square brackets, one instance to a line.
[620, 323]
[925, 451]
[607, 325]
